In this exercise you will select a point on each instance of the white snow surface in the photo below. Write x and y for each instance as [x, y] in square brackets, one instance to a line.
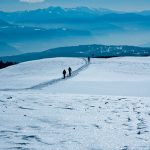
[27, 74]
[127, 76]
[104, 106]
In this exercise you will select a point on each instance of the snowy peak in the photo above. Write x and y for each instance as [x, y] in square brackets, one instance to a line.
[54, 13]
[146, 12]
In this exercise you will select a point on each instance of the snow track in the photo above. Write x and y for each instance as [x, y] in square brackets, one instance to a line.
[53, 81]
[74, 73]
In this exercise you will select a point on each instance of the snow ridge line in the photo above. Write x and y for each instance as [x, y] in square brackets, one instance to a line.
[54, 81]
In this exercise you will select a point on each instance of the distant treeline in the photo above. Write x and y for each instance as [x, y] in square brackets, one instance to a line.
[6, 64]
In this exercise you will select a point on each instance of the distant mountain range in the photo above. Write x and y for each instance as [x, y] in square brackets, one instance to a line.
[102, 51]
[146, 12]
[7, 50]
[40, 29]
[16, 33]
[3, 23]
[79, 14]
[54, 14]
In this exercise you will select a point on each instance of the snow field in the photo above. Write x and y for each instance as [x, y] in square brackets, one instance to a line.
[31, 120]
[104, 106]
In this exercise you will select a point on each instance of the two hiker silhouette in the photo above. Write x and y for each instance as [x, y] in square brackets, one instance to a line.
[64, 72]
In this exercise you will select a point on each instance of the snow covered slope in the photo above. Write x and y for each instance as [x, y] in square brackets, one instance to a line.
[126, 76]
[78, 113]
[28, 74]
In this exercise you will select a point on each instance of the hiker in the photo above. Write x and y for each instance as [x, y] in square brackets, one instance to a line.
[88, 59]
[70, 71]
[64, 73]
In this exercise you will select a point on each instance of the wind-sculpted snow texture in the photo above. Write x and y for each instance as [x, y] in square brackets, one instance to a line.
[103, 106]
[32, 120]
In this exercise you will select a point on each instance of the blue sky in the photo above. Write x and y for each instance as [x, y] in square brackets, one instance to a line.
[123, 5]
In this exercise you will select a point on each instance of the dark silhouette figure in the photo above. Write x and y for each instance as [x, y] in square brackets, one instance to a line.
[88, 59]
[70, 71]
[64, 73]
